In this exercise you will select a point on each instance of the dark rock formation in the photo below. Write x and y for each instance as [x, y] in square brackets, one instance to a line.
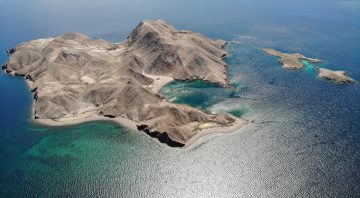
[10, 51]
[162, 137]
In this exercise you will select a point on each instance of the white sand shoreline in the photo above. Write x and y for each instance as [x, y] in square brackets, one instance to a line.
[239, 123]
[129, 124]
[118, 120]
[159, 82]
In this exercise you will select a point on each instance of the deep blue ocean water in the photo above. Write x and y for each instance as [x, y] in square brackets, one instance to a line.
[303, 141]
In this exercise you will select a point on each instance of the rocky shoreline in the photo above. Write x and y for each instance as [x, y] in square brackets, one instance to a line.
[163, 137]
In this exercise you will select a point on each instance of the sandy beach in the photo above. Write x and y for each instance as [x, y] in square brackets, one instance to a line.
[121, 121]
[159, 82]
[239, 123]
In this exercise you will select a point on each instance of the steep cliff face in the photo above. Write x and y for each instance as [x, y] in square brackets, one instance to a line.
[75, 76]
[183, 55]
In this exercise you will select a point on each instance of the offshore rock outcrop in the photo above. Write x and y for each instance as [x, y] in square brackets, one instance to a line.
[73, 76]
[294, 62]
[290, 61]
[338, 77]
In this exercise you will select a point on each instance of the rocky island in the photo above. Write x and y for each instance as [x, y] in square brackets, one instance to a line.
[75, 79]
[338, 77]
[290, 61]
[294, 61]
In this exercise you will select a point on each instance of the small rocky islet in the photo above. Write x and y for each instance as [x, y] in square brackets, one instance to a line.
[338, 77]
[293, 61]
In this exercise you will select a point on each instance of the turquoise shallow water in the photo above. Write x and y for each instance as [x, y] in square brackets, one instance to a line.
[308, 67]
[303, 139]
[197, 93]
[203, 95]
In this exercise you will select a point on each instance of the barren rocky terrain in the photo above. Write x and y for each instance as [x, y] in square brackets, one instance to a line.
[76, 77]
